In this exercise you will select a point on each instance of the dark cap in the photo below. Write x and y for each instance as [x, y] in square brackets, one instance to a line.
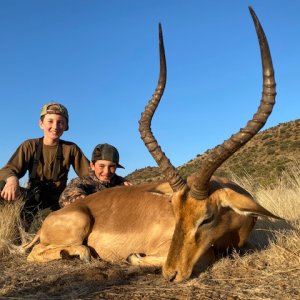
[106, 152]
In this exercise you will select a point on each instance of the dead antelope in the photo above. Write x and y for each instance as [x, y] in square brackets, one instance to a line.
[176, 224]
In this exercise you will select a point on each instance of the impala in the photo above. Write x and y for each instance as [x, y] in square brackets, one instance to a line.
[175, 224]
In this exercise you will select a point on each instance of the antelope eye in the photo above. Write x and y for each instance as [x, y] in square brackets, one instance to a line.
[208, 220]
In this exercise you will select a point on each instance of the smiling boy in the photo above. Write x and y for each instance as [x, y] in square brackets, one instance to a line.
[48, 161]
[102, 175]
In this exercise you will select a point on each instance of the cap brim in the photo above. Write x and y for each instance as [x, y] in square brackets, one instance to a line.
[120, 166]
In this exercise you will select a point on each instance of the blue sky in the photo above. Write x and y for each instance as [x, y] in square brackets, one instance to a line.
[100, 59]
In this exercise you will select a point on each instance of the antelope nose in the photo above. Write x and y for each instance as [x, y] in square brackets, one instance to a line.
[171, 276]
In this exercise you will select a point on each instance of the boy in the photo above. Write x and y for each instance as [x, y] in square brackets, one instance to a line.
[48, 160]
[103, 166]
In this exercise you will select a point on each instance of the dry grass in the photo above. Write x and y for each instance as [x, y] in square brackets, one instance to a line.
[12, 232]
[271, 271]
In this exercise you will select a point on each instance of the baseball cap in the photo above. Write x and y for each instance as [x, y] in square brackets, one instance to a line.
[55, 108]
[106, 152]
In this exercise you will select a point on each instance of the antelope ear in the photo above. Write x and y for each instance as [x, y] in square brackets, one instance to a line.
[244, 205]
[162, 188]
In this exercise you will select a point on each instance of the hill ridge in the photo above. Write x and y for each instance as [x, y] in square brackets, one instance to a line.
[264, 157]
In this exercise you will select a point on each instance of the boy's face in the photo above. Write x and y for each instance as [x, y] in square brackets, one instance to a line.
[54, 126]
[104, 169]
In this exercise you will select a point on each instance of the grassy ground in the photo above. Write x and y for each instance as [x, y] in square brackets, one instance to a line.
[271, 271]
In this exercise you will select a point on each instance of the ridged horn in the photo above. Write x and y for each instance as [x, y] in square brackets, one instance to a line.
[221, 153]
[165, 166]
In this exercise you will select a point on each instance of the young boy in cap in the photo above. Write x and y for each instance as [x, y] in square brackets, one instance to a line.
[103, 166]
[48, 160]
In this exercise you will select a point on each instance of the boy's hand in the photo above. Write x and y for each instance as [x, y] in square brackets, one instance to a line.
[11, 189]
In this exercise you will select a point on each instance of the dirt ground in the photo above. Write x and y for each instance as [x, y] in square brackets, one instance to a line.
[229, 279]
[73, 279]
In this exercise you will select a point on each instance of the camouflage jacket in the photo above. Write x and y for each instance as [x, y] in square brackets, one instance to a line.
[86, 185]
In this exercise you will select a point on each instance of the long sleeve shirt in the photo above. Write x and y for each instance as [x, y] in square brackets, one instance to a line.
[22, 161]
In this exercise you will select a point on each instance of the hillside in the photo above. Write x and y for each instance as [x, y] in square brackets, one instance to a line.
[264, 157]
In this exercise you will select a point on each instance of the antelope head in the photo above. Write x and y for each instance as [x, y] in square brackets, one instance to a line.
[207, 210]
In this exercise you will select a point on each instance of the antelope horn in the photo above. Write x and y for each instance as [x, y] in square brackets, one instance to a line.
[167, 169]
[221, 153]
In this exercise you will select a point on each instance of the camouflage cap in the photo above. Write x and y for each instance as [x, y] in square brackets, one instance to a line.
[106, 152]
[55, 108]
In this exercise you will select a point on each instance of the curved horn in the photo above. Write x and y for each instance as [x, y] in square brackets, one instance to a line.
[168, 170]
[222, 152]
